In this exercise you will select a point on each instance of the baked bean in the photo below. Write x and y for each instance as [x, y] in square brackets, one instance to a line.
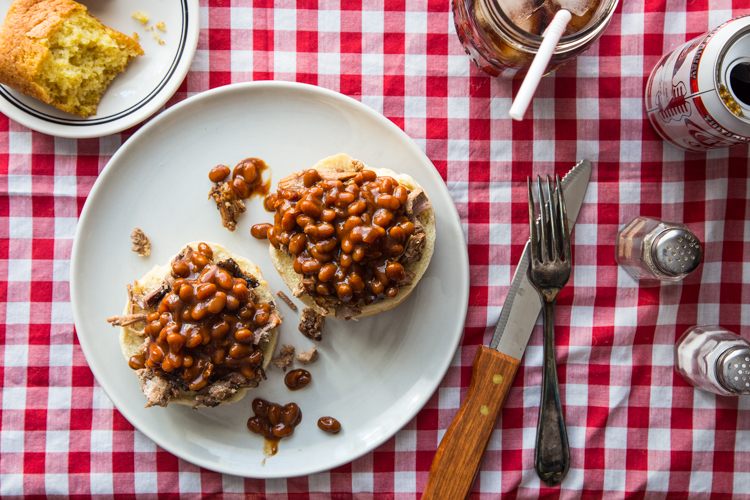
[388, 202]
[352, 222]
[274, 413]
[391, 291]
[358, 254]
[154, 316]
[219, 330]
[395, 272]
[261, 318]
[323, 289]
[232, 303]
[344, 292]
[309, 208]
[297, 265]
[186, 292]
[345, 260]
[355, 280]
[199, 311]
[137, 362]
[217, 303]
[310, 177]
[281, 430]
[397, 233]
[395, 250]
[155, 327]
[345, 199]
[180, 268]
[249, 172]
[327, 215]
[238, 351]
[357, 208]
[285, 238]
[205, 291]
[387, 184]
[401, 193]
[269, 202]
[376, 286]
[303, 220]
[218, 173]
[240, 291]
[369, 175]
[244, 335]
[260, 407]
[256, 357]
[326, 272]
[321, 257]
[311, 230]
[326, 246]
[291, 415]
[325, 230]
[246, 312]
[194, 340]
[297, 243]
[206, 250]
[329, 424]
[408, 227]
[311, 266]
[273, 238]
[297, 379]
[347, 245]
[383, 218]
[218, 356]
[176, 341]
[260, 231]
[155, 353]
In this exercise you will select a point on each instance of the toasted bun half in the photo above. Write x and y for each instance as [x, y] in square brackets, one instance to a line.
[130, 342]
[285, 264]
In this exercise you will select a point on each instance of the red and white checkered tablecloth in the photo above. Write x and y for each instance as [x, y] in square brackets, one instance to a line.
[637, 430]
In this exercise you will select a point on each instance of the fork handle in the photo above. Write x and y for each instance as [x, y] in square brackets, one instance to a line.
[552, 452]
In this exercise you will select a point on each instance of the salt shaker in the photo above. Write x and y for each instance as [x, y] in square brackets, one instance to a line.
[714, 359]
[651, 249]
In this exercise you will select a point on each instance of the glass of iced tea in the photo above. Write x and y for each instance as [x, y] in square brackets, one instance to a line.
[503, 36]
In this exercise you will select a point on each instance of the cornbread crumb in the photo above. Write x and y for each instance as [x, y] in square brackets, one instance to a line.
[135, 36]
[55, 51]
[141, 16]
[161, 26]
[156, 36]
[161, 42]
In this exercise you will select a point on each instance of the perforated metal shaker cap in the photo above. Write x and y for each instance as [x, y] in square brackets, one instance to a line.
[676, 252]
[733, 369]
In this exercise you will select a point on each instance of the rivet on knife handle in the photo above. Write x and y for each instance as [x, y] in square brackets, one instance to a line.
[460, 452]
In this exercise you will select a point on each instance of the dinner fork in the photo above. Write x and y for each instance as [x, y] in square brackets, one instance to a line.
[548, 272]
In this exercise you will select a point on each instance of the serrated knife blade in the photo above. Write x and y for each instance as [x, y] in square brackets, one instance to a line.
[460, 452]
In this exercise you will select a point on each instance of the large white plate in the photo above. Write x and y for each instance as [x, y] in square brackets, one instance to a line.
[147, 84]
[373, 375]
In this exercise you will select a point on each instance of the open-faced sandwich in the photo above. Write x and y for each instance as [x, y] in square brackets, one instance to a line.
[350, 240]
[200, 330]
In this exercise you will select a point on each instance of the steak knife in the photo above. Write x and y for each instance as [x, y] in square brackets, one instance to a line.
[460, 452]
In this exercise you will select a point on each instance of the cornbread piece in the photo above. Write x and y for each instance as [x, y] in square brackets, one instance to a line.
[311, 324]
[286, 300]
[307, 357]
[285, 357]
[57, 52]
[141, 243]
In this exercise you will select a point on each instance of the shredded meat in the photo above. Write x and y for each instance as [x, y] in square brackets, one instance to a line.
[416, 203]
[234, 269]
[221, 390]
[128, 319]
[294, 182]
[285, 357]
[152, 298]
[157, 390]
[286, 300]
[261, 334]
[311, 324]
[307, 357]
[141, 244]
[414, 245]
[229, 205]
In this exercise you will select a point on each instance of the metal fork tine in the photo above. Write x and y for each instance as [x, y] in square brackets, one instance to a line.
[554, 243]
[534, 238]
[544, 225]
[563, 214]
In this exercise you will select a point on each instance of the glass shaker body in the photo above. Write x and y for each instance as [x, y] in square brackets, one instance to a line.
[650, 249]
[714, 359]
[503, 36]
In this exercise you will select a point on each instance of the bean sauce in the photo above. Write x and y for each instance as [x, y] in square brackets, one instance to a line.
[345, 236]
[297, 379]
[329, 424]
[203, 328]
[273, 421]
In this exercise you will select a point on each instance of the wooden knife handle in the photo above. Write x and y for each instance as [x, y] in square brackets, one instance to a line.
[460, 452]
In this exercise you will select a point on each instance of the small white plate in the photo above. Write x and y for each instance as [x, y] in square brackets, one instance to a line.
[373, 375]
[145, 86]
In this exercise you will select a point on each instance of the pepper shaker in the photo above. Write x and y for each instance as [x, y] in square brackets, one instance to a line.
[714, 359]
[651, 249]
